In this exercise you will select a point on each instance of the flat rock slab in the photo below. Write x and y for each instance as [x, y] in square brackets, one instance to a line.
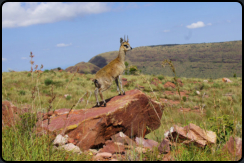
[133, 114]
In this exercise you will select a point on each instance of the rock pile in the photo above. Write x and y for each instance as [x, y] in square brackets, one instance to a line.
[133, 114]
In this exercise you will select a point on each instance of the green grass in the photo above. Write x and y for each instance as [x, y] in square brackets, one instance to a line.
[19, 143]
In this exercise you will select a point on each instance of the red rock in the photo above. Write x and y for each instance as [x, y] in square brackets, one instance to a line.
[168, 157]
[130, 113]
[140, 87]
[226, 80]
[185, 109]
[146, 142]
[169, 84]
[156, 81]
[180, 82]
[164, 146]
[10, 114]
[111, 147]
[124, 81]
[191, 133]
[123, 139]
[101, 156]
[71, 140]
[234, 146]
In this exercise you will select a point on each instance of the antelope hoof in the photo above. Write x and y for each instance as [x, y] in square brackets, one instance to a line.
[119, 93]
[98, 104]
[104, 104]
[124, 93]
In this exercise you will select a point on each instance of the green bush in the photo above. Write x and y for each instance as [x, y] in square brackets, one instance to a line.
[216, 85]
[68, 97]
[46, 71]
[29, 74]
[234, 75]
[21, 92]
[184, 98]
[160, 77]
[48, 82]
[223, 127]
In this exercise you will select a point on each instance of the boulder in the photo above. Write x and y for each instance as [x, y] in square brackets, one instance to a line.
[180, 82]
[197, 92]
[191, 133]
[60, 140]
[139, 87]
[226, 80]
[164, 146]
[234, 146]
[70, 147]
[123, 139]
[101, 156]
[132, 113]
[11, 114]
[146, 142]
[156, 81]
[169, 84]
[112, 147]
[124, 81]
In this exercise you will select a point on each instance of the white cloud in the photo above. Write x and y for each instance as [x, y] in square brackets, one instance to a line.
[24, 58]
[196, 25]
[166, 31]
[4, 59]
[63, 45]
[19, 14]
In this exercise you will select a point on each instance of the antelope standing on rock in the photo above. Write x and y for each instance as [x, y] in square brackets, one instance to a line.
[112, 71]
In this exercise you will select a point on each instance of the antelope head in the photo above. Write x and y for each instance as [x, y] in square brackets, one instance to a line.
[124, 44]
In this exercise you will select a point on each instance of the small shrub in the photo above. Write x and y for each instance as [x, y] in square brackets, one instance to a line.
[59, 68]
[68, 97]
[67, 80]
[202, 86]
[223, 127]
[46, 71]
[160, 77]
[45, 92]
[216, 85]
[184, 98]
[234, 75]
[21, 92]
[48, 82]
[29, 74]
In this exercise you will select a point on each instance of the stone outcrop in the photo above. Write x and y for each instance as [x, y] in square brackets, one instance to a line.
[226, 80]
[156, 81]
[133, 114]
[234, 146]
[169, 84]
[190, 133]
[11, 114]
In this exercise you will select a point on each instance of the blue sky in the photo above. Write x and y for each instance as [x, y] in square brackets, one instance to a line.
[64, 34]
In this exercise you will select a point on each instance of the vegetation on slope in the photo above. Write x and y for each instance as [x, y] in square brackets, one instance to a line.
[205, 60]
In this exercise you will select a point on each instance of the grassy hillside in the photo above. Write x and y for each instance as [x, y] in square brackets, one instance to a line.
[217, 100]
[205, 60]
[83, 68]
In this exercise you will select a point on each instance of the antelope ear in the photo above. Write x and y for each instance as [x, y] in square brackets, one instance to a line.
[121, 40]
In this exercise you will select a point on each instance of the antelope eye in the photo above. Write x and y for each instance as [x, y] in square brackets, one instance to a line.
[126, 46]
